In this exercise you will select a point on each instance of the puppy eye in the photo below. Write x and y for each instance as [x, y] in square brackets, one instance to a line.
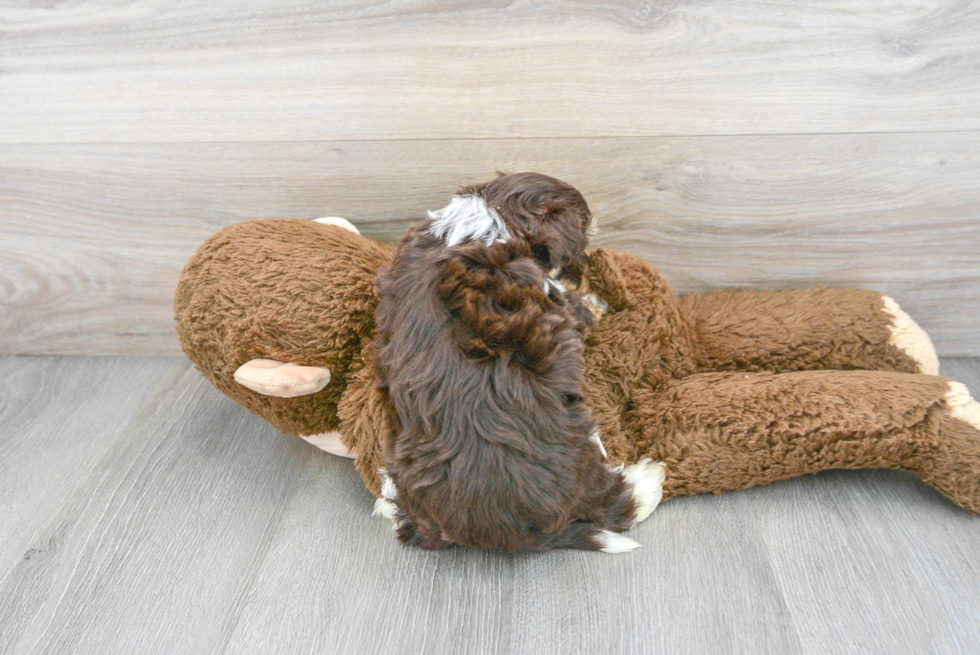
[570, 398]
[542, 255]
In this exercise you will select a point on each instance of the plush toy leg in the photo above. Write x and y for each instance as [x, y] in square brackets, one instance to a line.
[808, 329]
[365, 425]
[723, 431]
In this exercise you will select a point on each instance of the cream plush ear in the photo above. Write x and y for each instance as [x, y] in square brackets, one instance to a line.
[339, 222]
[282, 379]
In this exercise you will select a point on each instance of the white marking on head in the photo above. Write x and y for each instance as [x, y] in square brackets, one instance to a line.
[610, 542]
[467, 218]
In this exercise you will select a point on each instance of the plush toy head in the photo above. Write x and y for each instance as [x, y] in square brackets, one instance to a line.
[290, 292]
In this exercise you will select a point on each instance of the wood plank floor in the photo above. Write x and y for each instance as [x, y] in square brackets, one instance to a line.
[142, 512]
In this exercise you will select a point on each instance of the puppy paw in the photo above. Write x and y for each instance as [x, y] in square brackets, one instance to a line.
[385, 509]
[647, 478]
[386, 506]
[597, 440]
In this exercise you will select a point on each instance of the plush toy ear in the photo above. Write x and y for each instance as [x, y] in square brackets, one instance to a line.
[339, 222]
[284, 380]
[605, 279]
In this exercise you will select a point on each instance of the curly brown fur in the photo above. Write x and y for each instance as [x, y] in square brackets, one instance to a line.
[481, 357]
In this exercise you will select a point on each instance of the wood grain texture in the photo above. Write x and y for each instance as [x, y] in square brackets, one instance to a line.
[702, 582]
[188, 525]
[336, 580]
[266, 70]
[94, 236]
[823, 531]
[152, 550]
[47, 443]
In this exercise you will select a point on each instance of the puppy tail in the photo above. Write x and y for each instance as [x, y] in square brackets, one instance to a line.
[583, 535]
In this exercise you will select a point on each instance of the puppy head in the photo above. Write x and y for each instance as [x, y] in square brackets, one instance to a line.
[549, 214]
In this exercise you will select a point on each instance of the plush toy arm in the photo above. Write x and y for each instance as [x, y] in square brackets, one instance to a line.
[807, 329]
[365, 425]
[724, 431]
[281, 379]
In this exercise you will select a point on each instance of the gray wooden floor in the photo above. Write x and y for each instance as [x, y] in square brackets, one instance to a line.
[142, 512]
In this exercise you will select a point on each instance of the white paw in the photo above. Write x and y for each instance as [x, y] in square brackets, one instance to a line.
[647, 478]
[597, 440]
[385, 506]
[611, 542]
[906, 335]
[388, 490]
[339, 222]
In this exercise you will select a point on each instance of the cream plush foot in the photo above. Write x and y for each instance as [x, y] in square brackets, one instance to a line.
[283, 380]
[954, 468]
[962, 405]
[330, 442]
[906, 335]
[647, 478]
[339, 222]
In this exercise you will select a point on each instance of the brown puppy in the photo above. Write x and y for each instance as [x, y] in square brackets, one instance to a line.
[480, 355]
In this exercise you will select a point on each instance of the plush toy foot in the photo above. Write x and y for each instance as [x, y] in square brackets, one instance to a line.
[339, 222]
[647, 478]
[955, 470]
[906, 335]
[283, 380]
[330, 442]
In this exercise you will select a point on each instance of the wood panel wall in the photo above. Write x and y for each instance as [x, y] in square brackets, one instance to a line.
[745, 144]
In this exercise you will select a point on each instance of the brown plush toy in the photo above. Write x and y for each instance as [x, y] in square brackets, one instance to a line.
[730, 389]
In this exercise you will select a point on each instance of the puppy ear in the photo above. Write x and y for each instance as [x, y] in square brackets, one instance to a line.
[606, 280]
